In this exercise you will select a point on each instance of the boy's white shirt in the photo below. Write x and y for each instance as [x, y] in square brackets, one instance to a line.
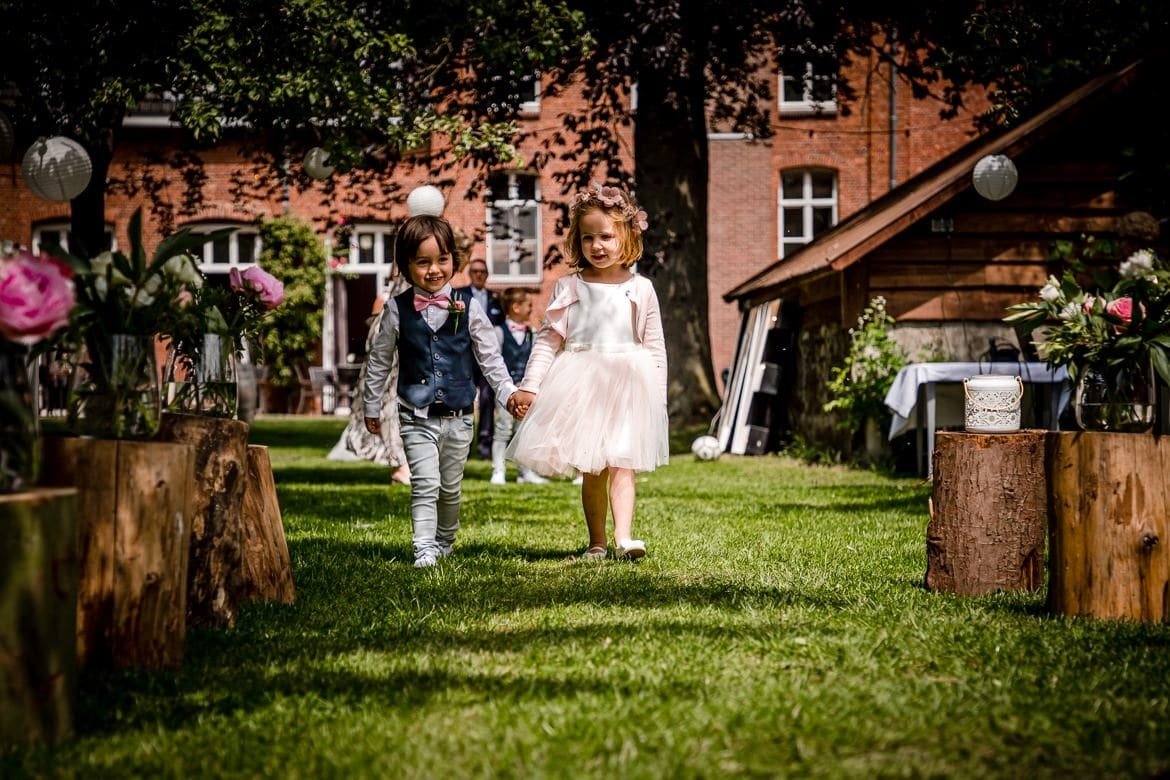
[484, 344]
[503, 330]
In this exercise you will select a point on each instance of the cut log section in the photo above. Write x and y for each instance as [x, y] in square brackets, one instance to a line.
[989, 513]
[267, 568]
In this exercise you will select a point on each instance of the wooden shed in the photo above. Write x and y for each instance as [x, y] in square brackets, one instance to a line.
[947, 261]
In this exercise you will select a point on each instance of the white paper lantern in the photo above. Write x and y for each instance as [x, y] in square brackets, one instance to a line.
[57, 168]
[314, 163]
[7, 136]
[706, 448]
[995, 176]
[426, 199]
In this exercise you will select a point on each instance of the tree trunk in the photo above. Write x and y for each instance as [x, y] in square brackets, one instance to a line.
[988, 513]
[1109, 526]
[215, 575]
[38, 615]
[671, 174]
[267, 567]
[88, 210]
[134, 506]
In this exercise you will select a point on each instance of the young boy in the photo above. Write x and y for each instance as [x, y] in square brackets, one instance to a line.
[438, 334]
[515, 345]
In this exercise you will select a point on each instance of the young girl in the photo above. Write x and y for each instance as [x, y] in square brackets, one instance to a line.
[599, 364]
[438, 333]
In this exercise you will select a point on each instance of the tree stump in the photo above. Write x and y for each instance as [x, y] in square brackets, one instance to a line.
[267, 567]
[1110, 555]
[215, 575]
[38, 615]
[989, 512]
[134, 508]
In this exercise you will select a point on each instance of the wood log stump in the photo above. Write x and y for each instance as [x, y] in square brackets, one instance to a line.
[989, 513]
[215, 574]
[38, 615]
[1110, 497]
[134, 513]
[267, 567]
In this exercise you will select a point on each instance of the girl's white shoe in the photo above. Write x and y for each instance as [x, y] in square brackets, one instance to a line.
[631, 549]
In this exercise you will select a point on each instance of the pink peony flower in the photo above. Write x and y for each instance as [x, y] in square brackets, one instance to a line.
[268, 287]
[36, 296]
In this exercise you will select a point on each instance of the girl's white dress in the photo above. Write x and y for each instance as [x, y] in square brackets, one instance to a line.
[602, 401]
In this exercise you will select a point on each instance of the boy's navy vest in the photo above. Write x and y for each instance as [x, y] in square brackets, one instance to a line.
[434, 367]
[516, 355]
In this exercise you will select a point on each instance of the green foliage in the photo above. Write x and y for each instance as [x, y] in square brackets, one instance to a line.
[778, 628]
[859, 385]
[294, 254]
[1118, 319]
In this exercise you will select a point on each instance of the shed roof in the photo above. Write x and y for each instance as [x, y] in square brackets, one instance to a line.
[862, 232]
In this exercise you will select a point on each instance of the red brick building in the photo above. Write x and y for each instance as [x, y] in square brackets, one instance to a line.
[765, 197]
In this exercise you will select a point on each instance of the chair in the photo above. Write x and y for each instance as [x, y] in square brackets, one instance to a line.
[320, 384]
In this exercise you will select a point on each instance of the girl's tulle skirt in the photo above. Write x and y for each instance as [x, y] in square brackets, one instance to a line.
[595, 409]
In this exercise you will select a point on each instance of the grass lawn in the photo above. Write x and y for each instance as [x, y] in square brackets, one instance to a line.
[778, 627]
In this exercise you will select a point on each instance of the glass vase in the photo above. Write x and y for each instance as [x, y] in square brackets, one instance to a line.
[20, 442]
[203, 384]
[1117, 399]
[114, 393]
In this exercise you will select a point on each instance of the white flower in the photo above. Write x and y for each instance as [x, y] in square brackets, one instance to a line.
[140, 298]
[101, 287]
[1071, 311]
[1050, 292]
[182, 268]
[870, 352]
[1139, 265]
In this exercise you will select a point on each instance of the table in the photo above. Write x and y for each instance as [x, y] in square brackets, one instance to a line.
[916, 401]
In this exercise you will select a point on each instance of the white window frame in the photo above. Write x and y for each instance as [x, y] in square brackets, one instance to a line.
[806, 202]
[383, 235]
[806, 106]
[531, 108]
[63, 226]
[511, 200]
[203, 252]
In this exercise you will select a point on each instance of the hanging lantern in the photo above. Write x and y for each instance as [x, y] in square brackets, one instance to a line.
[995, 176]
[7, 136]
[57, 168]
[314, 163]
[427, 199]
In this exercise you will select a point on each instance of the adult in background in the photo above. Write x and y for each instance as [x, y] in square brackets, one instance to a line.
[477, 271]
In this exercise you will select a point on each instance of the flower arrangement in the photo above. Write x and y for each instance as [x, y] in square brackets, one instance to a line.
[36, 299]
[1122, 320]
[860, 383]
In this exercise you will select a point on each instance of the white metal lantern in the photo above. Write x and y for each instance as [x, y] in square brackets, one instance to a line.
[314, 163]
[427, 199]
[57, 168]
[7, 136]
[995, 176]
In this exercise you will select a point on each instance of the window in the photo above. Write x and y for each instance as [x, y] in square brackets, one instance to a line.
[57, 233]
[235, 249]
[371, 247]
[808, 206]
[808, 84]
[521, 95]
[513, 222]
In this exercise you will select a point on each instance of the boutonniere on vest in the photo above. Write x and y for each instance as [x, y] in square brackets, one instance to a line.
[455, 308]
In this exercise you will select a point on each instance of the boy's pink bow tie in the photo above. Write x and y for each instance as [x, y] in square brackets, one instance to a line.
[439, 299]
[517, 328]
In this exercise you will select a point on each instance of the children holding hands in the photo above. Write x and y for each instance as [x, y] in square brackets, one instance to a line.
[437, 333]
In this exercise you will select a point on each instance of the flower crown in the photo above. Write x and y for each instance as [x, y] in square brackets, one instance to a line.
[609, 198]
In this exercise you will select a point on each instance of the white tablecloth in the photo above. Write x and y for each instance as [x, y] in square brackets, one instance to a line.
[903, 396]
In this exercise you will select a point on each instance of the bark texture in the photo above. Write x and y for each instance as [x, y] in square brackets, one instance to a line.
[215, 574]
[267, 567]
[989, 512]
